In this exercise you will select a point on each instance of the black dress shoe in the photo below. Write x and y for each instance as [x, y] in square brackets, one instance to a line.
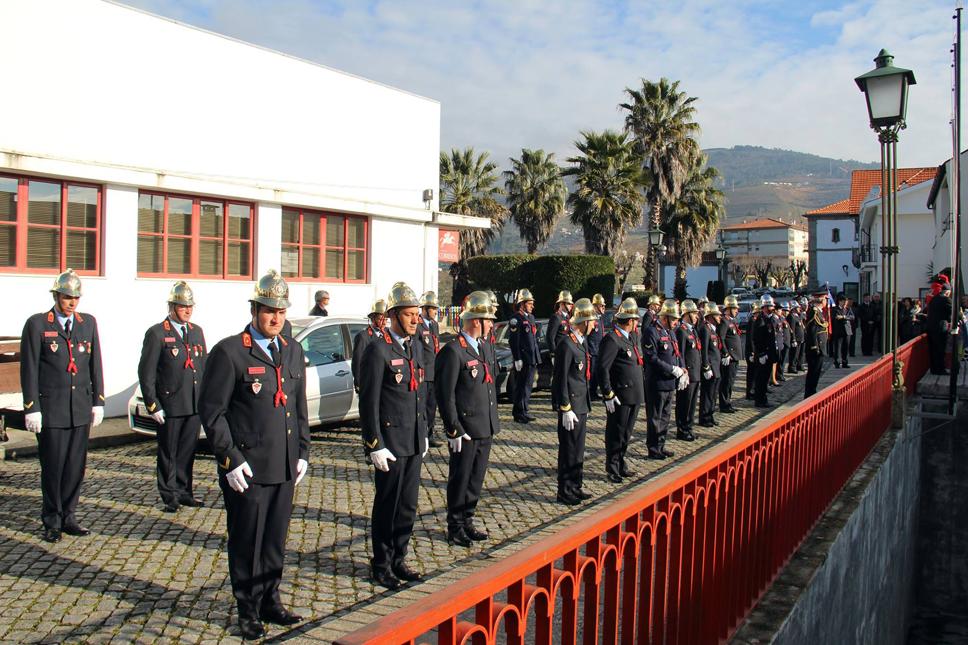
[251, 630]
[192, 502]
[76, 530]
[685, 436]
[656, 454]
[615, 479]
[279, 616]
[762, 405]
[524, 420]
[580, 494]
[170, 507]
[404, 572]
[458, 538]
[625, 472]
[529, 417]
[475, 533]
[568, 500]
[434, 443]
[845, 365]
[52, 535]
[729, 410]
[385, 579]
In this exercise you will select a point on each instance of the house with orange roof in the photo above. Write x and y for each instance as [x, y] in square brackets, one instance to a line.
[764, 239]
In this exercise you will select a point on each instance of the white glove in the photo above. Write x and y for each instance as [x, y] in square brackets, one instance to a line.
[568, 420]
[518, 365]
[381, 459]
[708, 374]
[677, 371]
[159, 417]
[763, 359]
[683, 382]
[33, 422]
[426, 448]
[611, 404]
[301, 466]
[97, 415]
[750, 358]
[236, 477]
[456, 442]
[725, 360]
[793, 344]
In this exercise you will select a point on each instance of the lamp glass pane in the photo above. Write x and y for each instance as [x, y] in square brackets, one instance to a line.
[884, 96]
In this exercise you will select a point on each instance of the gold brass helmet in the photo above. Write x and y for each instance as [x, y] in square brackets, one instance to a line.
[492, 297]
[565, 296]
[477, 305]
[755, 306]
[670, 308]
[584, 311]
[688, 307]
[181, 294]
[402, 296]
[731, 301]
[524, 295]
[712, 309]
[599, 300]
[272, 291]
[629, 309]
[429, 299]
[68, 284]
[379, 308]
[654, 299]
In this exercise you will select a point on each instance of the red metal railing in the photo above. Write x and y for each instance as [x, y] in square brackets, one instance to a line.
[686, 558]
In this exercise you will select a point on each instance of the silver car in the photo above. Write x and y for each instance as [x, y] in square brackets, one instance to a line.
[328, 345]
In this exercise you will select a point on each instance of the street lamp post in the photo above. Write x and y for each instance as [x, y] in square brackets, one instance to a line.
[721, 258]
[886, 89]
[657, 248]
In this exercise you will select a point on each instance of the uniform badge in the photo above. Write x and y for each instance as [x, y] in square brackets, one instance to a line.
[174, 351]
[665, 346]
[398, 377]
[473, 372]
[256, 387]
[81, 348]
[54, 346]
[628, 353]
[581, 366]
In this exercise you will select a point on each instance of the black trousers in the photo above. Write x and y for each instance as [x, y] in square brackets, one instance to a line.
[686, 406]
[177, 438]
[867, 339]
[852, 344]
[783, 357]
[751, 367]
[708, 390]
[63, 459]
[258, 521]
[465, 477]
[726, 385]
[840, 350]
[792, 355]
[937, 344]
[618, 431]
[658, 415]
[394, 511]
[814, 370]
[430, 407]
[523, 381]
[571, 456]
[593, 383]
[801, 348]
[763, 373]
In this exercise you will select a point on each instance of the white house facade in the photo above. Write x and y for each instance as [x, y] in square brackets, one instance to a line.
[940, 202]
[140, 151]
[832, 233]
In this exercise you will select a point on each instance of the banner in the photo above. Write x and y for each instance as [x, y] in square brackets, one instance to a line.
[448, 245]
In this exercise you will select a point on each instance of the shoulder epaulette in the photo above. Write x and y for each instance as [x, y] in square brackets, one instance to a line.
[246, 339]
[50, 316]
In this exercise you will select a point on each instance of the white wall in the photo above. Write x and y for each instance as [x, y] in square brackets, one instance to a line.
[832, 256]
[696, 279]
[942, 255]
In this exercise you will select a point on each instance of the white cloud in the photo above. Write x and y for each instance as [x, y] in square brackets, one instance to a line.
[532, 74]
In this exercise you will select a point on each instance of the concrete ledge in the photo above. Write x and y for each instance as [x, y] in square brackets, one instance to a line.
[113, 432]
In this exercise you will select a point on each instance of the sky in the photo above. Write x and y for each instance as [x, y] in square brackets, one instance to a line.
[513, 74]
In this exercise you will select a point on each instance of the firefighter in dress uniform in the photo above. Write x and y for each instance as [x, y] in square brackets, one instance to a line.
[751, 363]
[570, 387]
[373, 331]
[692, 351]
[558, 322]
[63, 397]
[785, 337]
[664, 376]
[253, 409]
[651, 311]
[815, 346]
[595, 341]
[467, 398]
[170, 373]
[796, 337]
[842, 321]
[765, 349]
[526, 353]
[729, 333]
[621, 378]
[712, 352]
[429, 333]
[394, 428]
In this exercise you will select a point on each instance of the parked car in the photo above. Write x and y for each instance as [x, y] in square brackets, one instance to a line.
[506, 373]
[745, 308]
[741, 292]
[328, 345]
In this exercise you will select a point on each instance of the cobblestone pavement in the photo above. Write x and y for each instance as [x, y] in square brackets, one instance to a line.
[150, 577]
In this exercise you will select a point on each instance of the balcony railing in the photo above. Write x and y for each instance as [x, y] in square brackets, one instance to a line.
[686, 557]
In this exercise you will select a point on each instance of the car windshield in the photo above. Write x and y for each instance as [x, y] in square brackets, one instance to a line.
[296, 329]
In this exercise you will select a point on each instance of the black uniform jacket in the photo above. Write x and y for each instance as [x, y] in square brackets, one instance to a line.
[64, 395]
[796, 326]
[692, 350]
[360, 342]
[748, 334]
[732, 339]
[764, 338]
[620, 368]
[391, 409]
[244, 417]
[786, 333]
[594, 339]
[557, 328]
[171, 369]
[523, 339]
[712, 351]
[430, 340]
[661, 351]
[572, 373]
[939, 313]
[466, 397]
[843, 322]
[816, 334]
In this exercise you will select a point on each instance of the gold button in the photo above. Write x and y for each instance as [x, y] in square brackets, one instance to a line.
[282, 380]
[288, 431]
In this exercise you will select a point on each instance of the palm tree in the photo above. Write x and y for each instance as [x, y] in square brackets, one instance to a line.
[608, 198]
[693, 218]
[661, 119]
[535, 195]
[468, 186]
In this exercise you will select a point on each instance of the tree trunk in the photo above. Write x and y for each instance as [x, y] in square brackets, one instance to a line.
[653, 277]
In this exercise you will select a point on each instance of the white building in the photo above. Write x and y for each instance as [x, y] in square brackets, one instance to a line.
[697, 277]
[138, 151]
[915, 235]
[765, 239]
[940, 202]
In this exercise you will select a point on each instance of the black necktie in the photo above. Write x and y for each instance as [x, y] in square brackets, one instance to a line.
[67, 327]
[184, 332]
[274, 353]
[406, 347]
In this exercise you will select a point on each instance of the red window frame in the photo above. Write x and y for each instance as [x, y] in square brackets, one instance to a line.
[21, 224]
[322, 247]
[196, 236]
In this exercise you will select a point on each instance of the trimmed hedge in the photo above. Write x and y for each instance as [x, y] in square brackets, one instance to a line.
[545, 276]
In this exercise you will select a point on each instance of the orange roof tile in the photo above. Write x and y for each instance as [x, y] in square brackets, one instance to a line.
[837, 208]
[863, 181]
[766, 222]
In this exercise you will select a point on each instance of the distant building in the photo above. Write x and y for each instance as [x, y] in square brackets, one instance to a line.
[940, 203]
[764, 240]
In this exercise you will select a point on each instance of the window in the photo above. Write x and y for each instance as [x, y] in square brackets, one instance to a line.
[325, 346]
[323, 246]
[48, 225]
[194, 237]
[835, 235]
